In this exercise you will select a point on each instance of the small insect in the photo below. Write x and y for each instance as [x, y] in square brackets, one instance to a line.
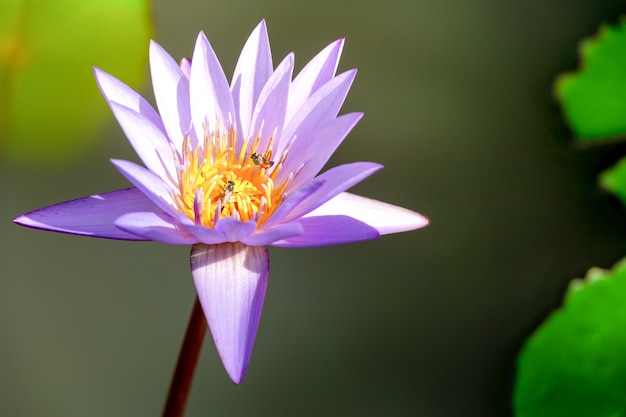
[229, 190]
[261, 160]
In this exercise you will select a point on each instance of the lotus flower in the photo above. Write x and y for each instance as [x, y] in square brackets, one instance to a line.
[231, 169]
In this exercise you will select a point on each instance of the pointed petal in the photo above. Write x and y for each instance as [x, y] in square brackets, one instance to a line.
[202, 233]
[252, 71]
[322, 106]
[267, 237]
[327, 231]
[231, 280]
[384, 217]
[210, 98]
[315, 73]
[293, 201]
[235, 230]
[148, 140]
[171, 91]
[269, 112]
[148, 183]
[335, 180]
[319, 146]
[91, 216]
[159, 227]
[115, 91]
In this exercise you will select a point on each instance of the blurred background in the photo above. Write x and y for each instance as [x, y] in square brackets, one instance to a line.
[458, 107]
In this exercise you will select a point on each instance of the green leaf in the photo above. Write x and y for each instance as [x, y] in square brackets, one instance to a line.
[613, 179]
[574, 365]
[50, 105]
[594, 98]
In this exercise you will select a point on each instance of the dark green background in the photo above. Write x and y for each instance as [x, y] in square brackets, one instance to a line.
[458, 107]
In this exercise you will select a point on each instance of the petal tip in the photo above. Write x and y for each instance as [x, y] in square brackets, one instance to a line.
[202, 39]
[423, 221]
[262, 26]
[22, 220]
[237, 375]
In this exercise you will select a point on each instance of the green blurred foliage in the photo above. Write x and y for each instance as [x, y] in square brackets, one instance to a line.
[614, 180]
[594, 97]
[50, 106]
[574, 364]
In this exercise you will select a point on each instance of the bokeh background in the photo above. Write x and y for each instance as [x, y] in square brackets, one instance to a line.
[458, 107]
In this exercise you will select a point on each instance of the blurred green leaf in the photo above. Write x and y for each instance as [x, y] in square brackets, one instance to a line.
[594, 98]
[613, 179]
[575, 364]
[50, 105]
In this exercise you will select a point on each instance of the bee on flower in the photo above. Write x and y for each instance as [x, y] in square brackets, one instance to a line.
[227, 193]
[261, 160]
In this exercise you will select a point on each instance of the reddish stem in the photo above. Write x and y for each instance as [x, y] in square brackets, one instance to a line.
[187, 360]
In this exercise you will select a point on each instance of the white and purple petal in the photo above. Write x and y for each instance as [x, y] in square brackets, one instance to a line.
[317, 147]
[231, 280]
[159, 227]
[252, 71]
[322, 106]
[267, 237]
[334, 181]
[235, 230]
[209, 93]
[171, 91]
[292, 201]
[270, 109]
[94, 215]
[149, 141]
[384, 217]
[207, 235]
[115, 91]
[153, 186]
[327, 231]
[317, 72]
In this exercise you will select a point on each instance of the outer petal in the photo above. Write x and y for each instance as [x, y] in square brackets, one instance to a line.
[267, 237]
[202, 233]
[235, 230]
[149, 184]
[329, 230]
[316, 73]
[322, 106]
[115, 91]
[231, 280]
[91, 216]
[149, 141]
[384, 217]
[159, 227]
[318, 146]
[335, 180]
[209, 93]
[171, 91]
[292, 201]
[252, 71]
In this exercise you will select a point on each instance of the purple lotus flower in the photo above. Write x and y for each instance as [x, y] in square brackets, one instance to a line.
[231, 169]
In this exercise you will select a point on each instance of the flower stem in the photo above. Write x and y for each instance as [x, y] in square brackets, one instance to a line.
[187, 360]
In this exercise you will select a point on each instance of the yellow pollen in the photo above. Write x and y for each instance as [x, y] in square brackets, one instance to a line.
[214, 181]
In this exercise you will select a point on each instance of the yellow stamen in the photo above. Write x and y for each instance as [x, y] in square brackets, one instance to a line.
[213, 181]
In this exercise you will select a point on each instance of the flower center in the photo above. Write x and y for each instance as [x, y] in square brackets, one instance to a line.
[214, 180]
